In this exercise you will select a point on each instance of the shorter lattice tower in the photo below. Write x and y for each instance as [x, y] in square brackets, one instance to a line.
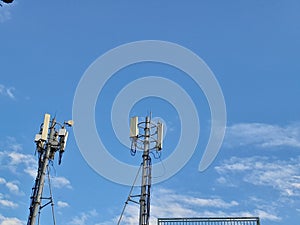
[146, 136]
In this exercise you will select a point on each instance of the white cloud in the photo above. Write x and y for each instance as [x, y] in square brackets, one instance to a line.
[12, 144]
[10, 93]
[6, 91]
[10, 221]
[282, 175]
[7, 203]
[2, 180]
[60, 182]
[190, 201]
[20, 158]
[5, 12]
[16, 159]
[263, 135]
[167, 203]
[206, 213]
[4, 16]
[79, 220]
[83, 218]
[256, 213]
[31, 171]
[217, 203]
[266, 215]
[11, 186]
[62, 204]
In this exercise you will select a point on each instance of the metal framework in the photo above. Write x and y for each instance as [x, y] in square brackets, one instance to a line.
[146, 178]
[150, 138]
[209, 221]
[47, 146]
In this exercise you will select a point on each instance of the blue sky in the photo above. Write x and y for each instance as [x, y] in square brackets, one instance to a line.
[253, 48]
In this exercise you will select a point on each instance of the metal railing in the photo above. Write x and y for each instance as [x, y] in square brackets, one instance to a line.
[209, 221]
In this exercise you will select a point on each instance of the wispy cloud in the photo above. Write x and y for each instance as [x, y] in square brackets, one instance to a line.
[263, 135]
[5, 12]
[5, 15]
[171, 204]
[12, 158]
[6, 91]
[20, 158]
[262, 214]
[267, 215]
[62, 204]
[83, 218]
[202, 202]
[10, 221]
[60, 182]
[7, 203]
[12, 144]
[282, 175]
[16, 160]
[167, 203]
[11, 186]
[31, 171]
[191, 201]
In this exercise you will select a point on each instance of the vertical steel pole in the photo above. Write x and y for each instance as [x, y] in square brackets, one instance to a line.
[146, 178]
[40, 179]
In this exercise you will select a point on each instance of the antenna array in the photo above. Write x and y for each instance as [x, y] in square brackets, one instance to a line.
[146, 136]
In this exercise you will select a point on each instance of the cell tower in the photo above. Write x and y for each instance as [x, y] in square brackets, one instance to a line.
[48, 142]
[146, 136]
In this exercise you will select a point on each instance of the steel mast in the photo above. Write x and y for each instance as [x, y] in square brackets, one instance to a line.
[150, 139]
[146, 178]
[47, 146]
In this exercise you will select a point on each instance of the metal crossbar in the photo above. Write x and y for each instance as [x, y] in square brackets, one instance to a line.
[209, 221]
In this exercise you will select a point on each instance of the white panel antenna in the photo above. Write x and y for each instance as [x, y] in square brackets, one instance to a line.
[65, 140]
[62, 132]
[37, 137]
[134, 130]
[45, 127]
[160, 135]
